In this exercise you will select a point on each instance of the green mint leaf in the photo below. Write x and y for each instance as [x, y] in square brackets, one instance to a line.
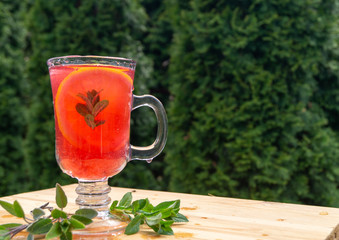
[41, 226]
[37, 213]
[166, 230]
[96, 97]
[82, 219]
[9, 225]
[148, 207]
[65, 226]
[155, 227]
[87, 212]
[61, 199]
[166, 205]
[55, 231]
[134, 225]
[88, 102]
[140, 204]
[179, 218]
[8, 207]
[175, 211]
[66, 236]
[154, 219]
[30, 237]
[90, 95]
[76, 224]
[57, 213]
[82, 109]
[167, 213]
[126, 200]
[99, 107]
[163, 228]
[114, 204]
[166, 223]
[5, 235]
[18, 209]
[135, 206]
[100, 122]
[90, 121]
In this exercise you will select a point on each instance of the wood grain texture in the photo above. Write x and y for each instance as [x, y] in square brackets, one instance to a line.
[213, 217]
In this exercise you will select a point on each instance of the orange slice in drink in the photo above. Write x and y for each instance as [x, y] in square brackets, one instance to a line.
[115, 87]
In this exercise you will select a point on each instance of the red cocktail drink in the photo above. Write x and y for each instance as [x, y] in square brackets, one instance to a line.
[92, 106]
[93, 100]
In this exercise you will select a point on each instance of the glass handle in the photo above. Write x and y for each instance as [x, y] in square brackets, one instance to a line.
[153, 150]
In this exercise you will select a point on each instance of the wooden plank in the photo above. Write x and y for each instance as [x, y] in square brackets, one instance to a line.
[214, 217]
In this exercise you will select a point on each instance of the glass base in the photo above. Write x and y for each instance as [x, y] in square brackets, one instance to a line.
[105, 226]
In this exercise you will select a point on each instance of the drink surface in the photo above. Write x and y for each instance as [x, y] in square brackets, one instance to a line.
[92, 106]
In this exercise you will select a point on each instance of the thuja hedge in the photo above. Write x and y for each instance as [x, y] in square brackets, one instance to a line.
[250, 85]
[244, 121]
[12, 114]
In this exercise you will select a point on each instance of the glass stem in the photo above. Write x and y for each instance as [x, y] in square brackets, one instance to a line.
[93, 195]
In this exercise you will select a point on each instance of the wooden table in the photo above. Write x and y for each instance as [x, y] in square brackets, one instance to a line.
[213, 217]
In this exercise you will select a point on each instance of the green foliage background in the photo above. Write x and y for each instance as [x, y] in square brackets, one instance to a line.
[250, 87]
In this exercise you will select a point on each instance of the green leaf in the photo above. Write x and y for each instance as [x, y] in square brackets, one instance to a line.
[96, 97]
[9, 225]
[89, 118]
[37, 213]
[154, 220]
[167, 213]
[155, 216]
[82, 219]
[88, 102]
[90, 95]
[4, 235]
[164, 228]
[126, 200]
[166, 223]
[55, 231]
[99, 107]
[87, 212]
[99, 122]
[82, 109]
[76, 224]
[179, 218]
[148, 207]
[18, 209]
[134, 225]
[57, 213]
[8, 207]
[166, 205]
[65, 226]
[114, 204]
[135, 206]
[41, 226]
[60, 198]
[66, 236]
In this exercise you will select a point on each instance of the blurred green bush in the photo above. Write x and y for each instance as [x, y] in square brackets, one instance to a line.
[250, 87]
[245, 120]
[12, 114]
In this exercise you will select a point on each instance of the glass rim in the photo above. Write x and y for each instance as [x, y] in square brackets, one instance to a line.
[89, 59]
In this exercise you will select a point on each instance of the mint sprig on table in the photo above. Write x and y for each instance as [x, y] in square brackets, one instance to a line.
[52, 222]
[159, 217]
[57, 223]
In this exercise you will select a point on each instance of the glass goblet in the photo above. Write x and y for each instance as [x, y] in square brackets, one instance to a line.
[93, 100]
